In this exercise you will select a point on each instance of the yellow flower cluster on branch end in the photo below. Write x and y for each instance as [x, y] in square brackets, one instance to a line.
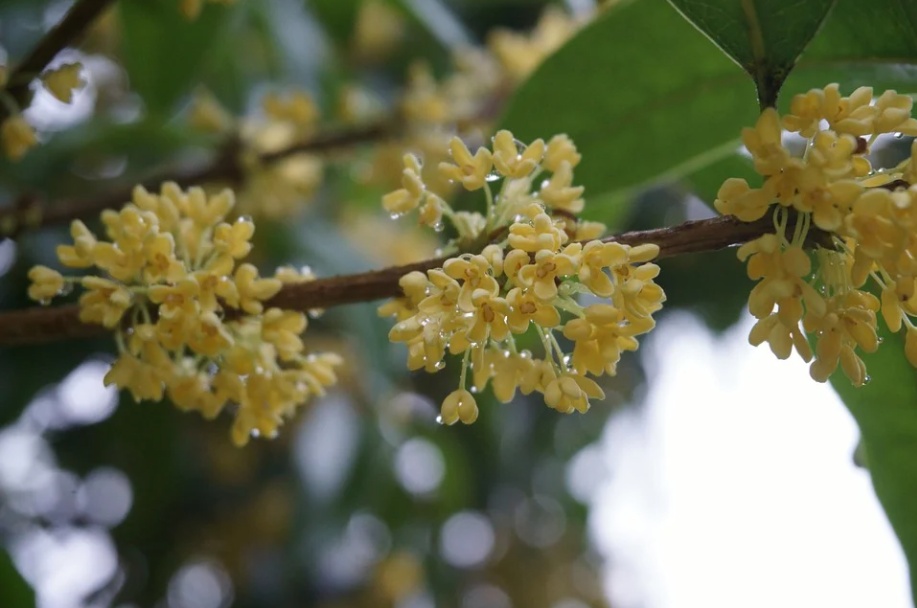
[188, 315]
[527, 281]
[869, 217]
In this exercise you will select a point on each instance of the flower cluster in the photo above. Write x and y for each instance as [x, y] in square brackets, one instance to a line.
[17, 136]
[273, 188]
[189, 319]
[524, 284]
[433, 108]
[867, 219]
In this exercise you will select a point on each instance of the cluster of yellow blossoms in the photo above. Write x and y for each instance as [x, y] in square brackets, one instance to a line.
[274, 188]
[526, 281]
[189, 319]
[16, 135]
[868, 228]
[465, 99]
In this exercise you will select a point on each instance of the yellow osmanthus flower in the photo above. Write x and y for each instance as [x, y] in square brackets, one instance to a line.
[520, 54]
[526, 281]
[868, 222]
[278, 187]
[463, 100]
[189, 318]
[61, 82]
[17, 137]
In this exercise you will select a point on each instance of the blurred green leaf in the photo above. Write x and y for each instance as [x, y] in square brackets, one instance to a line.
[14, 591]
[338, 17]
[765, 38]
[886, 411]
[163, 51]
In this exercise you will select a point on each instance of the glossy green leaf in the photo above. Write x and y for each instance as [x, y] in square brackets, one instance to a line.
[886, 411]
[163, 51]
[765, 37]
[862, 44]
[669, 104]
[635, 108]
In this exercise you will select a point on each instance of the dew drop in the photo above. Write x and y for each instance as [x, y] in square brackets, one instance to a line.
[438, 252]
[439, 365]
[66, 289]
[473, 389]
[256, 433]
[880, 339]
[899, 135]
[866, 380]
[245, 218]
[492, 176]
[526, 354]
[395, 216]
[545, 184]
[439, 420]
[438, 226]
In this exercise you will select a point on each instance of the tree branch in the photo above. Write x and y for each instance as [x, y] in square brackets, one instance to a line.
[43, 325]
[29, 213]
[74, 23]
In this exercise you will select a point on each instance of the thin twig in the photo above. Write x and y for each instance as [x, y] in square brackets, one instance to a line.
[43, 325]
[30, 213]
[66, 32]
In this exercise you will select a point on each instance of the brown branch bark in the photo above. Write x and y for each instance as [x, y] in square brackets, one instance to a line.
[43, 325]
[30, 213]
[74, 23]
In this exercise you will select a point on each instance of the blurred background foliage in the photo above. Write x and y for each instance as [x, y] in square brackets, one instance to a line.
[363, 500]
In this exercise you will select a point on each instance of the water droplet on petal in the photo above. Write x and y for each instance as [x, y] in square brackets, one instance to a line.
[439, 420]
[473, 389]
[256, 433]
[245, 218]
[395, 216]
[438, 226]
[492, 176]
[867, 379]
[899, 135]
[439, 365]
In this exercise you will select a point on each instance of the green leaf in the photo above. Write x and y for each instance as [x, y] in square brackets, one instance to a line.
[14, 591]
[886, 411]
[765, 37]
[338, 18]
[862, 44]
[635, 108]
[163, 51]
[667, 103]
